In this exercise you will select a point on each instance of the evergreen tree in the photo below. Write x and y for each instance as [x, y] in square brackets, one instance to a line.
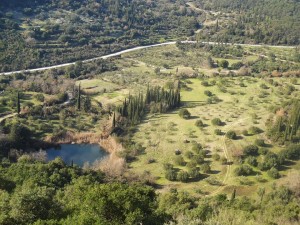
[233, 195]
[18, 103]
[79, 98]
[114, 120]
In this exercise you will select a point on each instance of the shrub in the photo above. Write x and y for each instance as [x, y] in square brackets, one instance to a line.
[218, 132]
[208, 93]
[191, 164]
[237, 65]
[197, 147]
[251, 160]
[168, 166]
[178, 160]
[216, 156]
[198, 159]
[171, 175]
[216, 122]
[205, 168]
[270, 160]
[245, 132]
[199, 123]
[224, 161]
[182, 176]
[292, 152]
[255, 130]
[243, 170]
[223, 63]
[194, 173]
[40, 97]
[263, 151]
[251, 150]
[260, 142]
[151, 160]
[231, 135]
[189, 154]
[184, 113]
[205, 83]
[273, 173]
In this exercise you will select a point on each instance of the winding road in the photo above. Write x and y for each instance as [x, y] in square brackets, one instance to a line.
[7, 116]
[135, 49]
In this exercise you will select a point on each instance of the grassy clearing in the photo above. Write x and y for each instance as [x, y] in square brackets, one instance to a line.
[240, 108]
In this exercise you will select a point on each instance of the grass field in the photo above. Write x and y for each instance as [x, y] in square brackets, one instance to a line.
[240, 108]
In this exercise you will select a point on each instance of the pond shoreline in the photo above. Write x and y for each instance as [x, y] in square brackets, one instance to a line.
[112, 165]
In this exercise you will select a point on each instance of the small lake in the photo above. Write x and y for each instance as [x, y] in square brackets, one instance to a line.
[78, 153]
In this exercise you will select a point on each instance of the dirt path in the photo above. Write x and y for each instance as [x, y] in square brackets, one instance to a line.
[227, 154]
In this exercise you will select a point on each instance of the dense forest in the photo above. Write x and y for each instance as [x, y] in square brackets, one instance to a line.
[32, 192]
[269, 21]
[49, 32]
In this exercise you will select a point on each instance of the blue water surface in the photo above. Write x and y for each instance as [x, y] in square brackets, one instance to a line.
[79, 154]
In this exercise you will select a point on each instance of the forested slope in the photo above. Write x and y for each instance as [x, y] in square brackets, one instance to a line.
[40, 33]
[268, 21]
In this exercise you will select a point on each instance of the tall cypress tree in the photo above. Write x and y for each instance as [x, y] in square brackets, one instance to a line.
[18, 103]
[79, 98]
[114, 120]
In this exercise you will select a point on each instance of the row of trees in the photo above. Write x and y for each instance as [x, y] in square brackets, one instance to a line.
[286, 127]
[156, 100]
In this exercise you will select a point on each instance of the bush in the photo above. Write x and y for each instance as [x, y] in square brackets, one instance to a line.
[191, 164]
[194, 173]
[197, 147]
[216, 122]
[182, 176]
[224, 161]
[178, 160]
[255, 130]
[243, 170]
[198, 159]
[237, 65]
[223, 63]
[292, 152]
[218, 132]
[260, 142]
[216, 156]
[271, 160]
[205, 168]
[189, 154]
[245, 133]
[251, 160]
[199, 123]
[168, 166]
[171, 175]
[205, 83]
[40, 97]
[263, 151]
[251, 150]
[208, 93]
[231, 135]
[273, 173]
[184, 113]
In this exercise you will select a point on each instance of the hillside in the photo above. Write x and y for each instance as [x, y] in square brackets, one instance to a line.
[42, 33]
[201, 128]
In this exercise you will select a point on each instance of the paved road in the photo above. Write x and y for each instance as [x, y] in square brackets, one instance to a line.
[7, 116]
[131, 50]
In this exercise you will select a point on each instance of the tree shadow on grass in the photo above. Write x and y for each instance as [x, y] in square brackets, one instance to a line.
[193, 104]
[214, 172]
[287, 165]
[194, 117]
[239, 137]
